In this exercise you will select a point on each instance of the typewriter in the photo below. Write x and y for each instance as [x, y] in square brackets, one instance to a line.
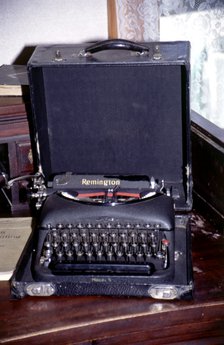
[105, 234]
[113, 187]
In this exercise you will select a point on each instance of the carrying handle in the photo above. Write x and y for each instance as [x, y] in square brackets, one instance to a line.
[114, 44]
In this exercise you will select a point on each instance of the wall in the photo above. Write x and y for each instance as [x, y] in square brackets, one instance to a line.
[26, 23]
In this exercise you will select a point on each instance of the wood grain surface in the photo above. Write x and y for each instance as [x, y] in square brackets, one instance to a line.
[111, 320]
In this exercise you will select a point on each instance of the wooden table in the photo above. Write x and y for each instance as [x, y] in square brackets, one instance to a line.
[110, 320]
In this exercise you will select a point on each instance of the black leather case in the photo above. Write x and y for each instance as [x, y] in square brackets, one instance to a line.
[115, 108]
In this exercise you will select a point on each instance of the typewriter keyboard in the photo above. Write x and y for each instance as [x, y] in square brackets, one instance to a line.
[120, 248]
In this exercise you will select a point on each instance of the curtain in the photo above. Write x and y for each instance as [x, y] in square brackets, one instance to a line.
[134, 20]
[199, 21]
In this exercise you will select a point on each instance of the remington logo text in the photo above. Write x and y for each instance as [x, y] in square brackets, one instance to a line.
[98, 182]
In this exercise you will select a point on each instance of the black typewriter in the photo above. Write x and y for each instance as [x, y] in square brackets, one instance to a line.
[100, 232]
[105, 119]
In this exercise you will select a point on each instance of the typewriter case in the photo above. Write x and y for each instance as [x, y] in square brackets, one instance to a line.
[112, 110]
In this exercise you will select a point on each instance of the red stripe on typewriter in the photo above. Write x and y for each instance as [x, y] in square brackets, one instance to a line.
[110, 194]
[128, 194]
[91, 195]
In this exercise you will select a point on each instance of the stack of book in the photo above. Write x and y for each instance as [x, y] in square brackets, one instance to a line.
[14, 100]
[14, 233]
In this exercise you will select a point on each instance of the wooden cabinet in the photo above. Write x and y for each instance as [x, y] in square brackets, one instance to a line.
[20, 163]
[16, 152]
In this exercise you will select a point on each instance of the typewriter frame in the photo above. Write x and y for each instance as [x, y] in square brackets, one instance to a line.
[53, 65]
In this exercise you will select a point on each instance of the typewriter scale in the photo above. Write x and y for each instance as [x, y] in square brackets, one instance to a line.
[113, 183]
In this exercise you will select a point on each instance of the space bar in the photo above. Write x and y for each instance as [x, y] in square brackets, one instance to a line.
[84, 268]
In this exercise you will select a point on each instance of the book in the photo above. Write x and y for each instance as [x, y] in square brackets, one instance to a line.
[14, 233]
[13, 105]
[13, 80]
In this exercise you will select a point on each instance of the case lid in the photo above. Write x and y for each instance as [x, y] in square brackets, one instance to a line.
[113, 109]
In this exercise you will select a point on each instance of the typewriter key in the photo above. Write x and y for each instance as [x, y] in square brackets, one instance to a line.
[47, 242]
[55, 244]
[99, 255]
[80, 255]
[69, 254]
[109, 256]
[89, 256]
[47, 253]
[59, 254]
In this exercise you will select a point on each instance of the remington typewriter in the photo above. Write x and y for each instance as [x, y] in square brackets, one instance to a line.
[110, 134]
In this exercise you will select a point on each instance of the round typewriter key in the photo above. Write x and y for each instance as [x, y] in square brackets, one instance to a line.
[109, 256]
[64, 240]
[73, 235]
[148, 256]
[142, 237]
[47, 242]
[105, 247]
[79, 255]
[140, 257]
[89, 256]
[119, 254]
[124, 247]
[104, 236]
[55, 244]
[113, 236]
[93, 237]
[47, 253]
[96, 246]
[69, 253]
[133, 236]
[123, 237]
[85, 246]
[59, 253]
[64, 234]
[76, 244]
[129, 256]
[144, 248]
[99, 255]
[134, 248]
[115, 247]
[83, 235]
[54, 233]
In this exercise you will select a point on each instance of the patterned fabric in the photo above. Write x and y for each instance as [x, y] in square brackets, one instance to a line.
[202, 23]
[199, 21]
[138, 20]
